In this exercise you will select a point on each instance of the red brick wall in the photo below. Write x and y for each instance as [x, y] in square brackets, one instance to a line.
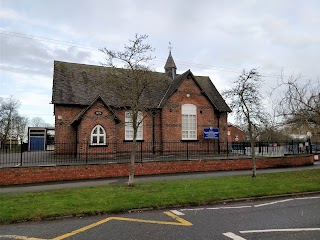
[22, 175]
[64, 116]
[189, 93]
[235, 132]
[167, 122]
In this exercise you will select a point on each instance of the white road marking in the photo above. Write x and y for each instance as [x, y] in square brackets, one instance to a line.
[19, 237]
[235, 207]
[176, 212]
[218, 208]
[305, 198]
[282, 230]
[192, 209]
[233, 236]
[246, 206]
[270, 203]
[214, 208]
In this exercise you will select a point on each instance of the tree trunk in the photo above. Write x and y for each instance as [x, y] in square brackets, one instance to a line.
[253, 156]
[134, 148]
[253, 151]
[132, 161]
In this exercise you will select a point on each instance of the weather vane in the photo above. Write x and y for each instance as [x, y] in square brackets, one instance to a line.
[170, 46]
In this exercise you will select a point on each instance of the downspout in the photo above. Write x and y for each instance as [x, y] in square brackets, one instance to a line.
[153, 132]
[161, 133]
[76, 147]
[218, 117]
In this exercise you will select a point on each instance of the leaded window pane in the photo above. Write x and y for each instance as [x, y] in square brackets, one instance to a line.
[189, 122]
[129, 126]
[98, 135]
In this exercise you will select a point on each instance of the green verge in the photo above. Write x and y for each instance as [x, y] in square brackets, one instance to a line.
[117, 198]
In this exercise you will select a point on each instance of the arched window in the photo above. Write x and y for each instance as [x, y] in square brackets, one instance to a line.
[189, 122]
[98, 135]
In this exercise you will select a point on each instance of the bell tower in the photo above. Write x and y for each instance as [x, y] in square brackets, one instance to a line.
[170, 67]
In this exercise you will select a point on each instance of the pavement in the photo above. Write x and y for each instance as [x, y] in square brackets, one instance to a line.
[123, 180]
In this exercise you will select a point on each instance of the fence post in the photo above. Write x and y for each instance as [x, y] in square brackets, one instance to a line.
[21, 151]
[227, 149]
[87, 149]
[141, 151]
[187, 150]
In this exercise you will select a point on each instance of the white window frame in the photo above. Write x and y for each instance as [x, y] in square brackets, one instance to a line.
[129, 126]
[98, 136]
[189, 122]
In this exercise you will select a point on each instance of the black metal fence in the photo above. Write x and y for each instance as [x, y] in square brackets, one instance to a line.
[84, 153]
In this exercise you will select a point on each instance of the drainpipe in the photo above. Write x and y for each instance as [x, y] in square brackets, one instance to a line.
[76, 147]
[218, 117]
[153, 132]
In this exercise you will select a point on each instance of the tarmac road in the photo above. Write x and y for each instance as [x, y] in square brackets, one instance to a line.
[294, 218]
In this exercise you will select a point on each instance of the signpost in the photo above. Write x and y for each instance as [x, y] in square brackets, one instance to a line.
[211, 133]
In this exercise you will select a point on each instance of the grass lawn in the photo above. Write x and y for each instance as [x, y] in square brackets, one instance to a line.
[117, 198]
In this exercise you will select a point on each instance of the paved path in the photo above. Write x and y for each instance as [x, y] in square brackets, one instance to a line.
[166, 177]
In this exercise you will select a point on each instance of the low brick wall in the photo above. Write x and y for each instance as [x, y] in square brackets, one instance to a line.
[23, 175]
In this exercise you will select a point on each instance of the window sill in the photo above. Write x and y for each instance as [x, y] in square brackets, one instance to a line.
[98, 145]
[189, 140]
[132, 140]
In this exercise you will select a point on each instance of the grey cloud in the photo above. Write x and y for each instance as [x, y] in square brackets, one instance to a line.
[23, 52]
[33, 56]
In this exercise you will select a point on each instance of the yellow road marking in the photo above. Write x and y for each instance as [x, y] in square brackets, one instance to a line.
[19, 237]
[179, 222]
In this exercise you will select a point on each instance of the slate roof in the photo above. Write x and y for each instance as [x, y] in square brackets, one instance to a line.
[170, 62]
[81, 84]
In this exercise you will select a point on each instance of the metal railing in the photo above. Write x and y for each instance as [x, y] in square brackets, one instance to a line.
[84, 153]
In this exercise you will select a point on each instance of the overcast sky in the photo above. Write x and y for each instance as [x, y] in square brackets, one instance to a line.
[212, 38]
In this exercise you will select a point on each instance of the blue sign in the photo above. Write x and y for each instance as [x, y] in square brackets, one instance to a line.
[211, 133]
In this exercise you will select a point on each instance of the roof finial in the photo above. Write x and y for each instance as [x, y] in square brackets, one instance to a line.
[170, 47]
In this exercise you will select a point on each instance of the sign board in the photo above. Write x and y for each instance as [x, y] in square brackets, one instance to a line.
[211, 133]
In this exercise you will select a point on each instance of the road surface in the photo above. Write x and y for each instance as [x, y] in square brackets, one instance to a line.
[275, 218]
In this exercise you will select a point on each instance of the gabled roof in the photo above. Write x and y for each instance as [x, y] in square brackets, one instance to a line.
[80, 84]
[235, 126]
[78, 118]
[212, 93]
[173, 87]
[206, 86]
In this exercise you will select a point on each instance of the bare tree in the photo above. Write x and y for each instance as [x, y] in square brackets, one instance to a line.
[300, 102]
[20, 127]
[134, 83]
[37, 122]
[8, 113]
[245, 100]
